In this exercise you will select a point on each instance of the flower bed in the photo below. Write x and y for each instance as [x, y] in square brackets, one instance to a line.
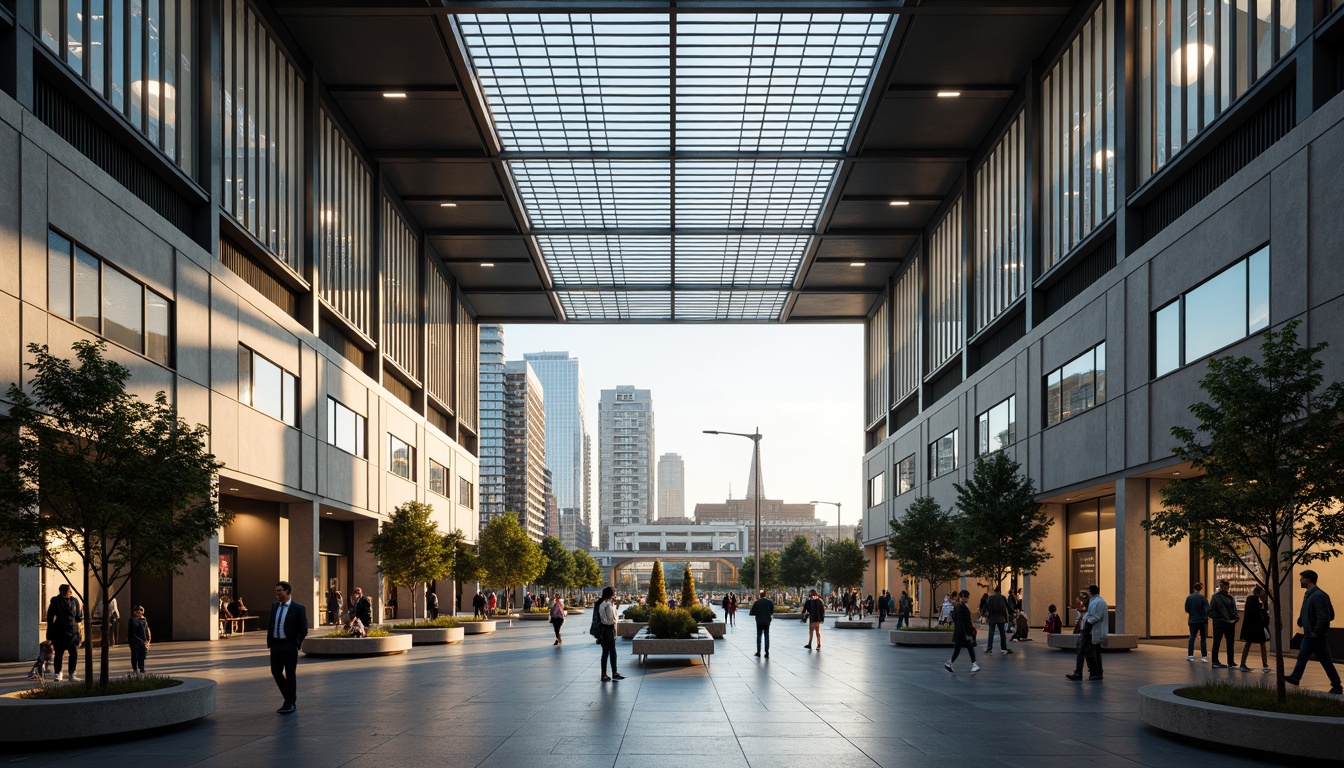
[445, 630]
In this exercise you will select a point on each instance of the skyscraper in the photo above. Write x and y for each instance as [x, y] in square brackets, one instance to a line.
[525, 448]
[625, 465]
[491, 495]
[671, 486]
[566, 441]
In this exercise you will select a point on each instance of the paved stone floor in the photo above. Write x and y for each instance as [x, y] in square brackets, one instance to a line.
[514, 699]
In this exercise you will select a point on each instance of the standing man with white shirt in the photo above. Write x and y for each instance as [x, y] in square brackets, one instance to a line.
[285, 630]
[1093, 634]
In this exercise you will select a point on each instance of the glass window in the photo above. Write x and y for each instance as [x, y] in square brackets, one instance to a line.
[244, 375]
[1225, 309]
[1000, 239]
[158, 321]
[123, 310]
[996, 428]
[943, 455]
[88, 289]
[269, 388]
[400, 457]
[905, 474]
[345, 428]
[465, 492]
[438, 478]
[1076, 386]
[266, 387]
[59, 277]
[877, 489]
[945, 252]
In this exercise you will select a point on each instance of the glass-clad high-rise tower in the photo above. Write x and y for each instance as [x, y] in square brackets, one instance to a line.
[492, 422]
[566, 437]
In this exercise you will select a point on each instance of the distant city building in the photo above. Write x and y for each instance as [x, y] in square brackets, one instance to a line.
[490, 493]
[552, 511]
[780, 521]
[567, 442]
[671, 486]
[625, 467]
[525, 448]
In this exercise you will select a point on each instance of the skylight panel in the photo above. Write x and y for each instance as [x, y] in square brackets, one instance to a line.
[607, 259]
[730, 305]
[572, 194]
[757, 194]
[739, 260]
[593, 306]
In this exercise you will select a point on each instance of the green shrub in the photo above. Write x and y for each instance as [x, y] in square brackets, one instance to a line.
[788, 609]
[1263, 699]
[116, 686]
[702, 612]
[672, 623]
[443, 622]
[637, 613]
[657, 586]
[538, 610]
[944, 628]
[502, 612]
[376, 630]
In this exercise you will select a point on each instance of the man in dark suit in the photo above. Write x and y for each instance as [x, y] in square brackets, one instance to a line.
[285, 630]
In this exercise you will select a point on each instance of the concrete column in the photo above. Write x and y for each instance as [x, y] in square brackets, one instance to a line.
[301, 547]
[1131, 557]
[196, 597]
[366, 573]
[19, 632]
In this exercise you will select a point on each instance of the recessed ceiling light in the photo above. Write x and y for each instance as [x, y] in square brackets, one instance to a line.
[330, 513]
[899, 203]
[233, 489]
[447, 205]
[1176, 473]
[948, 94]
[858, 263]
[487, 263]
[394, 94]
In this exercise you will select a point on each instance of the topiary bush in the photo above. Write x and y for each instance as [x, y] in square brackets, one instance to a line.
[702, 613]
[637, 613]
[657, 585]
[687, 598]
[672, 623]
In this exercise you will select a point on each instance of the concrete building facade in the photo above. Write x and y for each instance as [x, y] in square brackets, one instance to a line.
[626, 466]
[525, 484]
[671, 486]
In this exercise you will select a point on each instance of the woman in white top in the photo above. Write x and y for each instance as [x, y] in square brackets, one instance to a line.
[606, 613]
[557, 615]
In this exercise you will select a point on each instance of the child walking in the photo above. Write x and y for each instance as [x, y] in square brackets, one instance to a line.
[138, 637]
[46, 650]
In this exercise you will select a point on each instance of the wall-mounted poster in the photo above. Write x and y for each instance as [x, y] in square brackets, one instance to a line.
[228, 573]
[1241, 576]
[1084, 569]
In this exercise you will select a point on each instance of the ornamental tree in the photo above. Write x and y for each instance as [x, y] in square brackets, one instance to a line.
[657, 586]
[508, 557]
[688, 598]
[559, 564]
[1268, 453]
[799, 564]
[100, 482]
[587, 573]
[1001, 525]
[746, 575]
[411, 551]
[843, 563]
[923, 544]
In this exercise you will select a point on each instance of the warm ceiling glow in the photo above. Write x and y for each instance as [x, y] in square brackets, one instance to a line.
[447, 205]
[1186, 62]
[394, 95]
[487, 263]
[948, 94]
[858, 263]
[899, 203]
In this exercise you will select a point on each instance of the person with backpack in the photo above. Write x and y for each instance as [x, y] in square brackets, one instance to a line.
[814, 613]
[963, 632]
[604, 629]
[764, 611]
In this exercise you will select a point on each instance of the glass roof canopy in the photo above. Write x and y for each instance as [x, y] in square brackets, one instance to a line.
[673, 167]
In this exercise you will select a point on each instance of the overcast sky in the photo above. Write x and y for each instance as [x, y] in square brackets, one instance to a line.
[802, 385]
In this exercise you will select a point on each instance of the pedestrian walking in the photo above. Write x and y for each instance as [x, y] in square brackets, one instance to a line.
[904, 608]
[557, 616]
[478, 605]
[606, 615]
[963, 631]
[1314, 618]
[883, 603]
[764, 611]
[432, 604]
[1223, 611]
[113, 622]
[361, 607]
[997, 614]
[1255, 628]
[814, 613]
[946, 613]
[730, 608]
[138, 637]
[286, 628]
[1197, 608]
[64, 617]
[1093, 635]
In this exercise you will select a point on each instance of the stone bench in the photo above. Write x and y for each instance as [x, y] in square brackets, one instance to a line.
[1070, 642]
[927, 638]
[644, 646]
[855, 624]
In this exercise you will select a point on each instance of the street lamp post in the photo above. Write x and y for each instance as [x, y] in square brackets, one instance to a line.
[835, 504]
[755, 439]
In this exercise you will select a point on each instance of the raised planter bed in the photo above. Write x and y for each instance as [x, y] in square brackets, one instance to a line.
[628, 629]
[29, 721]
[534, 616]
[575, 611]
[432, 635]
[1070, 642]
[357, 646]
[714, 628]
[485, 627]
[855, 624]
[907, 637]
[644, 646]
[1296, 735]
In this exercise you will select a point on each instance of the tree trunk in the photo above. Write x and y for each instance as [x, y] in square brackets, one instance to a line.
[1280, 688]
[88, 623]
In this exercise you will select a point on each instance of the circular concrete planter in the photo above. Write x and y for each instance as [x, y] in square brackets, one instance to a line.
[535, 616]
[1297, 735]
[479, 627]
[357, 646]
[935, 638]
[28, 721]
[432, 635]
[575, 611]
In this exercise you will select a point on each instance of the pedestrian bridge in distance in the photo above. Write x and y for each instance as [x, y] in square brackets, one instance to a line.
[628, 545]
